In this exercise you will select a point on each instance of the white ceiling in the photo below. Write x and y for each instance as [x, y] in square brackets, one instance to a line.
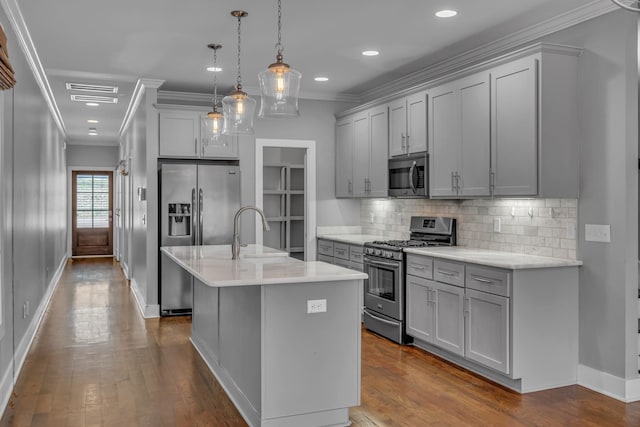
[119, 41]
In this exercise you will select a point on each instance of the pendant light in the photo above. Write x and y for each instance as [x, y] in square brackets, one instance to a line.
[213, 122]
[238, 108]
[279, 84]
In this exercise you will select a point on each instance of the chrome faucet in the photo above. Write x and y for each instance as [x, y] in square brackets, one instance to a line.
[235, 246]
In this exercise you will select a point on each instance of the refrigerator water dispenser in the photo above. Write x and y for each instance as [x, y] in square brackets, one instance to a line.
[179, 219]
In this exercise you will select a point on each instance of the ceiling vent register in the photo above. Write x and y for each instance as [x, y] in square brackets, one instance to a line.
[94, 98]
[82, 87]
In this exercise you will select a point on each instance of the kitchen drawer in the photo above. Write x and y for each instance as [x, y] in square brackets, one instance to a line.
[448, 272]
[341, 250]
[356, 253]
[356, 266]
[342, 262]
[325, 258]
[486, 279]
[420, 266]
[325, 247]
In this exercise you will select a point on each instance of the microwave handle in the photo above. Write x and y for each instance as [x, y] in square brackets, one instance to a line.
[411, 172]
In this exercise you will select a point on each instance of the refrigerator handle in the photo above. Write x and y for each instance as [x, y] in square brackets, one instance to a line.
[193, 225]
[200, 212]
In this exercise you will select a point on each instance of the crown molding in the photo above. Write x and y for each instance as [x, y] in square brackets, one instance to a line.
[205, 98]
[19, 27]
[497, 47]
[134, 102]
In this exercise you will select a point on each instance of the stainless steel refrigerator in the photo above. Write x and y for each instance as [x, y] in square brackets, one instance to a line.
[198, 200]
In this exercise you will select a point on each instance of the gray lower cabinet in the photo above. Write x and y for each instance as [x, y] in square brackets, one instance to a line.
[343, 254]
[447, 313]
[487, 326]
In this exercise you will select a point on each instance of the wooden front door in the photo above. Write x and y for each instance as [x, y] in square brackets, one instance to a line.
[92, 232]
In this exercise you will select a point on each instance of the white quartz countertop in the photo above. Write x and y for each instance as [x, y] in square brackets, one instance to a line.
[508, 260]
[352, 239]
[258, 265]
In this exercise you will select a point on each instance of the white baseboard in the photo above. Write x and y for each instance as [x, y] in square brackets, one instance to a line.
[20, 352]
[609, 385]
[148, 311]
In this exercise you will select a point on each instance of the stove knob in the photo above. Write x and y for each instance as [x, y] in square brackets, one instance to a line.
[378, 252]
[388, 254]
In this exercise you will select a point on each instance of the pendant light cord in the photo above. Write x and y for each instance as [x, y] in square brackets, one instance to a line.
[238, 82]
[279, 47]
[215, 78]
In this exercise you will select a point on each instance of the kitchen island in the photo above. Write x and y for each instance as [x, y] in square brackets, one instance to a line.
[282, 336]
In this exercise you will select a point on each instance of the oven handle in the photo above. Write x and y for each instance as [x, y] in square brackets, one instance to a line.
[374, 263]
[379, 319]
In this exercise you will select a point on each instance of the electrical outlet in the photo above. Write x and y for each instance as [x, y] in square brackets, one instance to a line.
[316, 306]
[496, 225]
[513, 211]
[597, 233]
[372, 218]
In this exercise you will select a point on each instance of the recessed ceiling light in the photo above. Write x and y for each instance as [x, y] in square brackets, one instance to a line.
[92, 121]
[92, 104]
[371, 53]
[214, 69]
[321, 79]
[446, 13]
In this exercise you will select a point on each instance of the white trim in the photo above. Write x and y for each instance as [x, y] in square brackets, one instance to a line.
[309, 191]
[147, 311]
[192, 97]
[19, 26]
[134, 102]
[70, 170]
[618, 388]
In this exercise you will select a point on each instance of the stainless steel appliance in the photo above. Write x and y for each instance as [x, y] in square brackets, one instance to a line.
[408, 176]
[384, 262]
[197, 204]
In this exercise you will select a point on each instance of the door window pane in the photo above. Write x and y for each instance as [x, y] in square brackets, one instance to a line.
[92, 201]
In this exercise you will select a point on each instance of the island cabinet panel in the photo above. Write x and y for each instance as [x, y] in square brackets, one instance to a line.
[204, 321]
[304, 367]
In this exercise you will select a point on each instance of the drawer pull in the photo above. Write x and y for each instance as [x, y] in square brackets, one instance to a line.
[447, 273]
[481, 280]
[417, 267]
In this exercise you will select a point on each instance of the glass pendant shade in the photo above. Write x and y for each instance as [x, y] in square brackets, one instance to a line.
[279, 87]
[238, 110]
[211, 129]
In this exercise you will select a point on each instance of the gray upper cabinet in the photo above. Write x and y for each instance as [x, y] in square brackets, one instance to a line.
[408, 125]
[459, 136]
[344, 156]
[182, 134]
[515, 139]
[361, 154]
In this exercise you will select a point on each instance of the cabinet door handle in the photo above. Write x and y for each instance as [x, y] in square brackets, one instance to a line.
[465, 308]
[453, 182]
[402, 138]
[458, 186]
[349, 187]
[447, 273]
[492, 181]
[407, 144]
[482, 280]
[417, 266]
[195, 146]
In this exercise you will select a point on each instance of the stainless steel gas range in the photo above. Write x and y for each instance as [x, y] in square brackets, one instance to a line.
[384, 262]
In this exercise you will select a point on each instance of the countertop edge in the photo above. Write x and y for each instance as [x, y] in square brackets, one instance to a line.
[550, 262]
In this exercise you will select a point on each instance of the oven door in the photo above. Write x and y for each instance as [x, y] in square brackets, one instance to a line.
[383, 293]
[408, 176]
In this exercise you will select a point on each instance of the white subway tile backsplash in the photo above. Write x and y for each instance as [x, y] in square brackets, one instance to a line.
[544, 233]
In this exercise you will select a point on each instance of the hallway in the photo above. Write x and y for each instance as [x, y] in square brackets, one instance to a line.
[96, 362]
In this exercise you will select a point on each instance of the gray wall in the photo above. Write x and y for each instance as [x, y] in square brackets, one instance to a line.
[33, 201]
[609, 190]
[316, 122]
[92, 155]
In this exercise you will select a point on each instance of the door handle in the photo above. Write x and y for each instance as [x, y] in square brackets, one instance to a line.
[412, 171]
[193, 225]
[200, 214]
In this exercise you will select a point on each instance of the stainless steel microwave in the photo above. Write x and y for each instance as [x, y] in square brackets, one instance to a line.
[408, 176]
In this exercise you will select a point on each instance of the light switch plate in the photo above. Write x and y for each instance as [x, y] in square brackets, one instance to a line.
[597, 233]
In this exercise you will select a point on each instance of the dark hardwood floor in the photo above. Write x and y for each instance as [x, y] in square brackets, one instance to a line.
[96, 362]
